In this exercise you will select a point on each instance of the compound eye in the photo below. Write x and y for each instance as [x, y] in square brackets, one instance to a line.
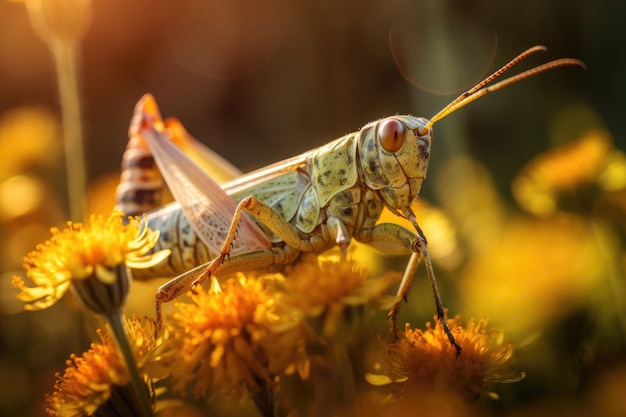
[391, 135]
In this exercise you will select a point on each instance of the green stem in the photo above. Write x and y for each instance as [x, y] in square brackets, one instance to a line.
[137, 383]
[347, 389]
[65, 58]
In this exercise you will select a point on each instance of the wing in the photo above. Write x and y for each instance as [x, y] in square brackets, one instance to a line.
[217, 167]
[207, 206]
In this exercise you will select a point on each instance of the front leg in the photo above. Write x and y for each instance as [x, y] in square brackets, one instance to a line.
[394, 239]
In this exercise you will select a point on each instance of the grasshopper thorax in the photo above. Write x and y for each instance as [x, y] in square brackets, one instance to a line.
[394, 153]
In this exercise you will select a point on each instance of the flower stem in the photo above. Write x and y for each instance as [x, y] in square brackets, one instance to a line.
[264, 398]
[65, 58]
[345, 376]
[137, 383]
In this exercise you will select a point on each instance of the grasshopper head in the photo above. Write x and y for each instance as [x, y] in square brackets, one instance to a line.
[394, 154]
[395, 151]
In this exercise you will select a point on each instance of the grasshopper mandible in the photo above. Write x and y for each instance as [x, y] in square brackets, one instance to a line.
[308, 203]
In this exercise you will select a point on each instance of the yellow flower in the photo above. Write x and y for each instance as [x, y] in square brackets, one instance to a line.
[99, 380]
[562, 169]
[81, 253]
[229, 341]
[535, 272]
[424, 360]
[324, 287]
[28, 136]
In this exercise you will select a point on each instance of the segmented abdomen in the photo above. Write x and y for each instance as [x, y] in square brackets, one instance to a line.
[140, 191]
[177, 235]
[141, 185]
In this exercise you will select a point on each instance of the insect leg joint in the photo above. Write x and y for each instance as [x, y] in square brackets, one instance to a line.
[339, 232]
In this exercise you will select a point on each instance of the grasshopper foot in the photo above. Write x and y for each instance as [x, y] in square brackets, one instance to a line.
[194, 287]
[448, 332]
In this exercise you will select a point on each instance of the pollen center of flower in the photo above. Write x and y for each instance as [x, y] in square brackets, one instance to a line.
[92, 255]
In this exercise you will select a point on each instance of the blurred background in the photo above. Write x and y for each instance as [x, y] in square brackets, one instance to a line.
[525, 202]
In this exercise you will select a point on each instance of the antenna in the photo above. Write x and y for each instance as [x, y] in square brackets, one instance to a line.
[482, 88]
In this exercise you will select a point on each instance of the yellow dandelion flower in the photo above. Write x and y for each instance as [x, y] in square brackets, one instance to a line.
[425, 360]
[91, 253]
[324, 287]
[561, 169]
[28, 136]
[613, 177]
[535, 272]
[229, 340]
[98, 381]
[144, 345]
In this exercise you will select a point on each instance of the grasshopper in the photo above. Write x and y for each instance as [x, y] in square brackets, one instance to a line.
[309, 203]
